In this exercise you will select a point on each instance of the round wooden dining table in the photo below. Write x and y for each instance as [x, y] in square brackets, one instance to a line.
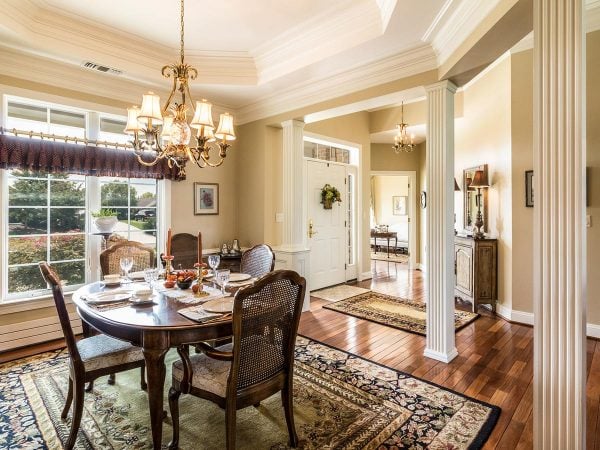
[155, 328]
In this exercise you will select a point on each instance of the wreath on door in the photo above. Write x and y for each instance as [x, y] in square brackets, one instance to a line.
[330, 195]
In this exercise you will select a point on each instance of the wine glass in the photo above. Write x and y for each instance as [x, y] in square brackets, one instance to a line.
[150, 276]
[222, 278]
[213, 262]
[126, 263]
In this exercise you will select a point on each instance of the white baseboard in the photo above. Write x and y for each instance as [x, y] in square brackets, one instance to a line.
[420, 267]
[35, 331]
[439, 356]
[526, 318]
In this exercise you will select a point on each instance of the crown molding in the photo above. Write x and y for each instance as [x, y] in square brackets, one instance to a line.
[324, 35]
[458, 26]
[312, 91]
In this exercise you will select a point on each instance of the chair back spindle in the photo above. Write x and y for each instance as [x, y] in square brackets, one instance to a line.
[258, 261]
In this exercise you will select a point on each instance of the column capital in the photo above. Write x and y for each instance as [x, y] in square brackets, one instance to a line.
[293, 123]
[441, 85]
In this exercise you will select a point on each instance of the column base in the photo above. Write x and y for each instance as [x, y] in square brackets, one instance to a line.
[295, 258]
[439, 356]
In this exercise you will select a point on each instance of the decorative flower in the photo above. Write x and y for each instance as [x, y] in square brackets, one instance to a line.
[330, 195]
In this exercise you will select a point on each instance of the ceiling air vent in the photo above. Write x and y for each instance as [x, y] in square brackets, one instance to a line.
[100, 68]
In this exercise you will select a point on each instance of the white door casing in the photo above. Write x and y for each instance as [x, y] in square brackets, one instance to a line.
[328, 243]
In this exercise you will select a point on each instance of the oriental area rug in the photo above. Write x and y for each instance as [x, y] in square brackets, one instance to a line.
[394, 312]
[340, 401]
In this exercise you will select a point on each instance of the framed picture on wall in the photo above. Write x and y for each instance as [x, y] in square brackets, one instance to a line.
[399, 205]
[529, 188]
[206, 198]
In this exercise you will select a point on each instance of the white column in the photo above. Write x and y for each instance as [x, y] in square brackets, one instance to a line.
[293, 184]
[293, 254]
[559, 225]
[440, 222]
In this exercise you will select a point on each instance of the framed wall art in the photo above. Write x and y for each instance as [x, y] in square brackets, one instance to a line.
[206, 198]
[399, 205]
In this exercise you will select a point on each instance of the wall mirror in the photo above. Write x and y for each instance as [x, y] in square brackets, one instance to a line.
[470, 202]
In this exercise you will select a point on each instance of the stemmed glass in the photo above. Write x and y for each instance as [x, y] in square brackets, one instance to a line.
[150, 276]
[222, 278]
[126, 263]
[213, 262]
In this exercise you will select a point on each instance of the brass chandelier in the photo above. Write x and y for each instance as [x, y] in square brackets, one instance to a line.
[164, 133]
[401, 140]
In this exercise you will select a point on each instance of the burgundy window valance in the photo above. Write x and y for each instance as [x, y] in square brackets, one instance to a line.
[60, 157]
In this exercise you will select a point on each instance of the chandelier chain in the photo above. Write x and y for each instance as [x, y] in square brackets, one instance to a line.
[181, 43]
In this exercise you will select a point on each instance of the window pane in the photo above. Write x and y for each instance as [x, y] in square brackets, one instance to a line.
[27, 221]
[143, 219]
[25, 278]
[23, 192]
[112, 126]
[67, 220]
[148, 239]
[62, 130]
[114, 194]
[71, 272]
[67, 247]
[69, 119]
[27, 250]
[27, 112]
[71, 193]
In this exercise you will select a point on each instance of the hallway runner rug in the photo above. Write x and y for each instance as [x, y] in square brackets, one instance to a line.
[392, 258]
[394, 312]
[340, 401]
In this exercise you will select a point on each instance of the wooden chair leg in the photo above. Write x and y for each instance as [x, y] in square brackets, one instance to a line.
[78, 393]
[174, 407]
[230, 427]
[111, 379]
[143, 384]
[68, 401]
[288, 407]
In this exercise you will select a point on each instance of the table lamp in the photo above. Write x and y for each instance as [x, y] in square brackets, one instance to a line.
[480, 180]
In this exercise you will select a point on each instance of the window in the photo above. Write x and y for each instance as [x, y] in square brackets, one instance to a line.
[48, 215]
[46, 221]
[135, 201]
[45, 119]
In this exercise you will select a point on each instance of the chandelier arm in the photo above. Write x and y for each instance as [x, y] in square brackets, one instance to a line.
[195, 156]
[171, 94]
[187, 88]
[148, 164]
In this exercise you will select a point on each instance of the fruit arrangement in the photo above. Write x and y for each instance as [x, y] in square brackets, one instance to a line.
[183, 279]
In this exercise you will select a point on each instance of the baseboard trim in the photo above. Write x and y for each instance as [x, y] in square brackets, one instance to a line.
[526, 318]
[420, 267]
[439, 356]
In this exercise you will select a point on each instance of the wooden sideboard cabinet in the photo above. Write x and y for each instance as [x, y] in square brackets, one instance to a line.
[476, 269]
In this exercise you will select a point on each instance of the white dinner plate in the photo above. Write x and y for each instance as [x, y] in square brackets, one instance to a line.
[135, 301]
[219, 305]
[111, 283]
[236, 277]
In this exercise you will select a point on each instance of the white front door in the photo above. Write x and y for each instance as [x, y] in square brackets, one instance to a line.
[327, 241]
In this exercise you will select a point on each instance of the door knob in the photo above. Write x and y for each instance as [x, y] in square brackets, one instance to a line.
[311, 232]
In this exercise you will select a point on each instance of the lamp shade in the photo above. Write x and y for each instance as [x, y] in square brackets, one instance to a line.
[132, 120]
[207, 132]
[225, 129]
[150, 109]
[203, 115]
[480, 179]
[456, 188]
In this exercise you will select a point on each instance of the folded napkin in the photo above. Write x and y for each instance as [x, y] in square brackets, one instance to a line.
[198, 314]
[111, 296]
[189, 298]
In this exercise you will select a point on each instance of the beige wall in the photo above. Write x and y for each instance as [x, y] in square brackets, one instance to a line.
[385, 187]
[482, 136]
[522, 160]
[383, 158]
[593, 164]
[215, 229]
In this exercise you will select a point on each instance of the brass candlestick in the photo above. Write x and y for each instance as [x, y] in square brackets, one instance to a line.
[479, 221]
[480, 180]
[168, 261]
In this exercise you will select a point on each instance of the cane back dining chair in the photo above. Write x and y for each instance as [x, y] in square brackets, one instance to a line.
[143, 257]
[184, 249]
[258, 364]
[89, 358]
[258, 261]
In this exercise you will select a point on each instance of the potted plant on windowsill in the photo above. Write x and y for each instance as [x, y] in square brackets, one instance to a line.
[330, 195]
[105, 220]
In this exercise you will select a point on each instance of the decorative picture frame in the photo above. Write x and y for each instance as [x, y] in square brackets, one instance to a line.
[206, 199]
[399, 205]
[529, 194]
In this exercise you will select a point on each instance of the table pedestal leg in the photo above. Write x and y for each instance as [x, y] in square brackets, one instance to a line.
[156, 371]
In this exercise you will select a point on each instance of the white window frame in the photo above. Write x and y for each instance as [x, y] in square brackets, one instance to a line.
[93, 244]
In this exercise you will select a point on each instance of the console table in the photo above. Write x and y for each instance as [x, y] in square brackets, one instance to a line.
[385, 235]
[231, 261]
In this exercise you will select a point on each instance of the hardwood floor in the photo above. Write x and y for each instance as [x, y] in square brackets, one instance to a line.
[495, 362]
